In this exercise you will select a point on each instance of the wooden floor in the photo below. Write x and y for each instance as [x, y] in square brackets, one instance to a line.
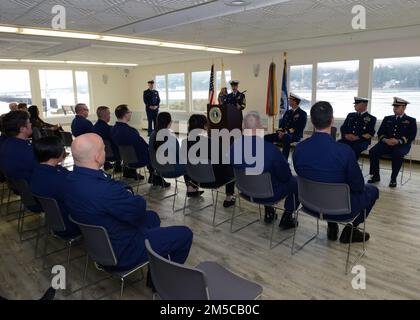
[392, 260]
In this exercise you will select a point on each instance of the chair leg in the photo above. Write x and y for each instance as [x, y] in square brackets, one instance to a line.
[349, 248]
[85, 275]
[70, 243]
[122, 288]
[215, 207]
[175, 195]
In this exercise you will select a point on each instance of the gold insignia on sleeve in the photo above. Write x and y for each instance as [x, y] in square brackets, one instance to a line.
[367, 136]
[405, 140]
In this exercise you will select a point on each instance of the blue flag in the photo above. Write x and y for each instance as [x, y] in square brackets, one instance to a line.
[284, 103]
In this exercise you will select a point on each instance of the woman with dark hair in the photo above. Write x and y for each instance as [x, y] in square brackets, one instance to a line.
[223, 172]
[48, 178]
[37, 122]
[164, 122]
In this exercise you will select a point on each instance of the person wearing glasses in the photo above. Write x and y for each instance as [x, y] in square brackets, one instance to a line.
[81, 124]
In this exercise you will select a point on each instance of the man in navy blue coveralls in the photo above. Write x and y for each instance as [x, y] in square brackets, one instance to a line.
[81, 124]
[93, 197]
[321, 159]
[283, 183]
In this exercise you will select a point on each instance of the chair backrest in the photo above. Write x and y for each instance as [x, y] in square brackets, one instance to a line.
[67, 138]
[160, 168]
[324, 198]
[201, 173]
[36, 134]
[53, 214]
[68, 109]
[254, 186]
[22, 187]
[109, 152]
[128, 154]
[97, 243]
[174, 281]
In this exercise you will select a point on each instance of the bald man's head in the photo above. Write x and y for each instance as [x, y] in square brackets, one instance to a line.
[88, 151]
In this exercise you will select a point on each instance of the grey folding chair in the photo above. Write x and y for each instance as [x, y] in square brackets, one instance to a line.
[408, 158]
[164, 171]
[27, 202]
[109, 154]
[202, 174]
[207, 281]
[99, 249]
[129, 156]
[256, 188]
[55, 224]
[67, 138]
[332, 199]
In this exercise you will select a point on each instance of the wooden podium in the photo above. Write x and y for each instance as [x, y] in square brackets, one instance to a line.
[224, 117]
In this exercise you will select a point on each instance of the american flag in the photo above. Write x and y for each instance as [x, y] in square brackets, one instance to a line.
[211, 89]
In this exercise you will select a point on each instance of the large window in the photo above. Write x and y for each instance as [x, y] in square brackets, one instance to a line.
[14, 87]
[396, 77]
[200, 84]
[176, 92]
[161, 87]
[338, 83]
[301, 84]
[62, 88]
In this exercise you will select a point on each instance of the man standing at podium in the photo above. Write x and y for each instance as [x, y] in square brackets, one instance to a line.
[235, 98]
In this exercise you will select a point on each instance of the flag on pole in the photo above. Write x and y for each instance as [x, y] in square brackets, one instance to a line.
[223, 80]
[211, 89]
[284, 104]
[271, 106]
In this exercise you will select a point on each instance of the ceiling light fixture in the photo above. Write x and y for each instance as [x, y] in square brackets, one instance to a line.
[117, 64]
[237, 3]
[40, 61]
[128, 40]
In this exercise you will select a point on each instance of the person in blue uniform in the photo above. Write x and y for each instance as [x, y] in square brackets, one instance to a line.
[321, 159]
[396, 134]
[81, 124]
[49, 178]
[103, 129]
[292, 126]
[17, 160]
[235, 98]
[124, 135]
[283, 183]
[151, 101]
[93, 197]
[358, 129]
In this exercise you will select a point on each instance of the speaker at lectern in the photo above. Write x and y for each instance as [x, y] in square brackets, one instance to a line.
[224, 117]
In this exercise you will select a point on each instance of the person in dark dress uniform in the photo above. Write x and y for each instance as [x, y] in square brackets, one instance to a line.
[151, 100]
[292, 126]
[395, 135]
[235, 98]
[358, 129]
[81, 124]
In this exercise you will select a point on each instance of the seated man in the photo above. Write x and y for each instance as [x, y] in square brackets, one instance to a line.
[358, 129]
[292, 126]
[103, 129]
[17, 160]
[94, 198]
[284, 184]
[124, 135]
[321, 159]
[396, 135]
[81, 124]
[49, 178]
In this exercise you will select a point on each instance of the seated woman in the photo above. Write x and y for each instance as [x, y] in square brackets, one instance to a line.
[164, 122]
[37, 122]
[49, 178]
[223, 173]
[222, 96]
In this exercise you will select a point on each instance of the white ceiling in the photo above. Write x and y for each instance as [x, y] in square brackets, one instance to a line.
[264, 23]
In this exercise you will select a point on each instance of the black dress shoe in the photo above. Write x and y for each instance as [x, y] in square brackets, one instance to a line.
[374, 179]
[228, 204]
[136, 176]
[357, 235]
[270, 215]
[288, 222]
[332, 231]
[393, 184]
[194, 194]
[159, 182]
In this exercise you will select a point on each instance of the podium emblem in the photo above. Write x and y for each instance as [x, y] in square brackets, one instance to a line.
[215, 115]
